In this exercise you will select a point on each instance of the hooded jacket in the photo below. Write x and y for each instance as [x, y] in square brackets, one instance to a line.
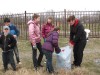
[52, 42]
[7, 42]
[48, 27]
[77, 32]
[14, 30]
[34, 32]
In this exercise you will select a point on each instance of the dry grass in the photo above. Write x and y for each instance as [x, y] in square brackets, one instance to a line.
[24, 71]
[89, 67]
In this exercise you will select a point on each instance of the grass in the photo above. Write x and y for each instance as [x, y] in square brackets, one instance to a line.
[89, 66]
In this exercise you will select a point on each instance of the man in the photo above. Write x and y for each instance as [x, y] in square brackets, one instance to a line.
[15, 32]
[77, 39]
[7, 43]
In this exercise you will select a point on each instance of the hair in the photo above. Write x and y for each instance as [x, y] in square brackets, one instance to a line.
[70, 18]
[6, 20]
[50, 18]
[56, 29]
[35, 16]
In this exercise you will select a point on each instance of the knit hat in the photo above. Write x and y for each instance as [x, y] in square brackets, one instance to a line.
[6, 27]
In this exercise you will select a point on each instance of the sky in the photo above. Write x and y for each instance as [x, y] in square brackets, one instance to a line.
[31, 6]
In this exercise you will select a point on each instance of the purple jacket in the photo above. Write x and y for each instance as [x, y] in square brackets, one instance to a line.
[52, 42]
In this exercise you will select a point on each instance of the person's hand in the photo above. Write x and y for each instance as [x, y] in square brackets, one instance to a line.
[34, 46]
[58, 50]
[9, 45]
[71, 45]
[14, 36]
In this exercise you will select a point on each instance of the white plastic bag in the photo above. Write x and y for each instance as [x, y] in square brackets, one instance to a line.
[64, 58]
[87, 33]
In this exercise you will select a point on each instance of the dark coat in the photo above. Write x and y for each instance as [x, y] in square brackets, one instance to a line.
[7, 42]
[77, 32]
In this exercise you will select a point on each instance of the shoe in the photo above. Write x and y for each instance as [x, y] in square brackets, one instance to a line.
[53, 73]
[35, 69]
[40, 65]
[19, 63]
[45, 62]
[14, 69]
[75, 66]
[5, 69]
[72, 66]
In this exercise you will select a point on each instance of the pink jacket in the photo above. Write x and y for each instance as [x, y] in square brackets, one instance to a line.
[46, 29]
[34, 32]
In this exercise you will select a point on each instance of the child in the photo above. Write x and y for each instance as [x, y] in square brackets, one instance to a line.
[35, 40]
[15, 32]
[48, 48]
[48, 27]
[7, 43]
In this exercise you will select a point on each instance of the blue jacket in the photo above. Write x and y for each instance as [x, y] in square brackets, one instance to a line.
[14, 30]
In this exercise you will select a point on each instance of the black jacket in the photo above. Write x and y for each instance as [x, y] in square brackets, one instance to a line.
[7, 42]
[77, 32]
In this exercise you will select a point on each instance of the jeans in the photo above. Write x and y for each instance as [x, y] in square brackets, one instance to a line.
[44, 39]
[7, 57]
[16, 52]
[49, 65]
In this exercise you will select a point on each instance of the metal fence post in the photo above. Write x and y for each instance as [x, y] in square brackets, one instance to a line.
[65, 20]
[26, 24]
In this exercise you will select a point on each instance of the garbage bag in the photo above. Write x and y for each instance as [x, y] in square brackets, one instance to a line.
[64, 58]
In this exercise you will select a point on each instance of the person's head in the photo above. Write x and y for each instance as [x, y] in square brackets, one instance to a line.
[71, 20]
[6, 30]
[49, 19]
[6, 21]
[36, 18]
[57, 29]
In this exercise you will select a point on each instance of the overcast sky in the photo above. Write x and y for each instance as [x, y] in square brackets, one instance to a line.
[19, 6]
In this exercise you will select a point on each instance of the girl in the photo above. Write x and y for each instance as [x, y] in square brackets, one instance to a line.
[48, 27]
[48, 48]
[35, 40]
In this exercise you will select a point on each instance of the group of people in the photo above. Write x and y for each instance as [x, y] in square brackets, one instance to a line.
[8, 44]
[50, 34]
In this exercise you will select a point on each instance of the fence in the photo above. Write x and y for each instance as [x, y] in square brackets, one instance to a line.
[90, 20]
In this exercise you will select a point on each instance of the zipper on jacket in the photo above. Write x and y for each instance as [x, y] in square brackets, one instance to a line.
[5, 43]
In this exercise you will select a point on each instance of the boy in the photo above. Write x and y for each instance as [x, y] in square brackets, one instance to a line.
[7, 43]
[15, 32]
[77, 39]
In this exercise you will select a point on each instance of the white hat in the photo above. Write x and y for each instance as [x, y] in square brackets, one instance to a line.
[6, 27]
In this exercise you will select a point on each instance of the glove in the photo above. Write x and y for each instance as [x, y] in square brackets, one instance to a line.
[72, 43]
[34, 47]
[9, 45]
[14, 36]
[58, 50]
